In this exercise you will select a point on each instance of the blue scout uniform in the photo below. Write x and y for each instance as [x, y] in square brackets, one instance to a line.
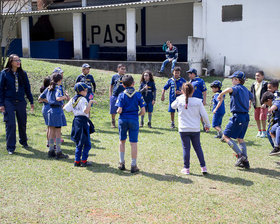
[56, 117]
[275, 129]
[129, 100]
[218, 116]
[89, 80]
[199, 87]
[271, 120]
[174, 85]
[116, 82]
[239, 106]
[13, 88]
[45, 107]
[148, 94]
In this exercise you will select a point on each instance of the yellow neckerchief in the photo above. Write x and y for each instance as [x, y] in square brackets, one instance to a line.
[128, 94]
[175, 82]
[76, 102]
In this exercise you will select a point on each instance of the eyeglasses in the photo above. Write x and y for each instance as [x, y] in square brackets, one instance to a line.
[17, 60]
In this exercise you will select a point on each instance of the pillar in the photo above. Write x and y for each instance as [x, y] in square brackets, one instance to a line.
[25, 37]
[131, 33]
[77, 35]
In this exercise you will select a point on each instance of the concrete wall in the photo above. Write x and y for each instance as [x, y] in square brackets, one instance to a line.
[250, 44]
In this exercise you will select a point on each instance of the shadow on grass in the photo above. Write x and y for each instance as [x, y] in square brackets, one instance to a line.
[115, 132]
[166, 129]
[149, 131]
[267, 172]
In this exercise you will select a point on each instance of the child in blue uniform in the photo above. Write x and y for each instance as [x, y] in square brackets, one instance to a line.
[115, 89]
[88, 79]
[240, 98]
[269, 99]
[128, 104]
[175, 85]
[148, 90]
[218, 108]
[80, 134]
[56, 117]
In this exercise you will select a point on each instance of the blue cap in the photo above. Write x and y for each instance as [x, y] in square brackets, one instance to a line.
[192, 70]
[58, 70]
[80, 86]
[216, 84]
[238, 74]
[86, 65]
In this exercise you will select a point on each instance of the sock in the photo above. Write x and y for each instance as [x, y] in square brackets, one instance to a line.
[273, 139]
[48, 142]
[51, 144]
[121, 157]
[142, 119]
[243, 148]
[234, 146]
[264, 130]
[58, 145]
[133, 162]
[172, 122]
[150, 117]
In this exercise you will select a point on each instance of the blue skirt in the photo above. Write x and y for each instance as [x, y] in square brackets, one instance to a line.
[56, 117]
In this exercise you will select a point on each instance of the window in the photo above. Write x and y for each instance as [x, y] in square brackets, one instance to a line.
[231, 13]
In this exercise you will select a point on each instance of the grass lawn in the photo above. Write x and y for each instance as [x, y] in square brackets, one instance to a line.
[36, 189]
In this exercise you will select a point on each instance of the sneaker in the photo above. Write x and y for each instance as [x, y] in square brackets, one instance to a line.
[263, 135]
[60, 155]
[121, 166]
[246, 164]
[11, 152]
[77, 164]
[259, 134]
[113, 124]
[185, 171]
[141, 125]
[150, 125]
[275, 151]
[172, 125]
[204, 170]
[222, 139]
[85, 164]
[26, 146]
[51, 154]
[134, 169]
[240, 160]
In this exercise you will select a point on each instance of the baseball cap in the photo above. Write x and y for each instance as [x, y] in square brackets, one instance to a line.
[58, 70]
[80, 86]
[216, 83]
[86, 65]
[238, 74]
[192, 70]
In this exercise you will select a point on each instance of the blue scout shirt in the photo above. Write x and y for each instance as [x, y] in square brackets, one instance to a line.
[150, 94]
[117, 84]
[52, 95]
[276, 113]
[130, 100]
[174, 85]
[46, 106]
[89, 80]
[8, 87]
[199, 87]
[239, 99]
[221, 110]
[171, 53]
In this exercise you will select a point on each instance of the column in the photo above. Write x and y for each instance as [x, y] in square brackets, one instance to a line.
[77, 35]
[25, 37]
[198, 25]
[131, 33]
[84, 3]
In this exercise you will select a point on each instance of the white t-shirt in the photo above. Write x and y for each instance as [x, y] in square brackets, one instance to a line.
[189, 119]
[79, 109]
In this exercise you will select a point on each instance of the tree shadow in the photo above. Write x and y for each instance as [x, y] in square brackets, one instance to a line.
[150, 131]
[263, 171]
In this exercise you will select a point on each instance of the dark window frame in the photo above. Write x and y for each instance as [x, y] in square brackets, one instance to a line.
[232, 13]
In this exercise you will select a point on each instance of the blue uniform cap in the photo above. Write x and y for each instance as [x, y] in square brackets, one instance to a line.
[216, 84]
[86, 65]
[192, 70]
[238, 74]
[80, 86]
[58, 70]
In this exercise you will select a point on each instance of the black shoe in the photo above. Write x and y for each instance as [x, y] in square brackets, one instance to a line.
[51, 154]
[134, 169]
[141, 125]
[172, 125]
[275, 151]
[240, 160]
[11, 152]
[149, 124]
[121, 166]
[26, 146]
[87, 163]
[246, 164]
[77, 164]
[60, 155]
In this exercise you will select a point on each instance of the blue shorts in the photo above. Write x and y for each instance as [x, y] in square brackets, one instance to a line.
[217, 120]
[170, 109]
[113, 107]
[149, 107]
[274, 128]
[237, 126]
[130, 125]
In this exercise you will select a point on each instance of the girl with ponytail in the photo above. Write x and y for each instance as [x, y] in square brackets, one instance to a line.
[190, 110]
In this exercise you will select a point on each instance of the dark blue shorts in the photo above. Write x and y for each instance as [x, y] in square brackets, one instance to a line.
[237, 126]
[131, 126]
[170, 109]
[217, 120]
[149, 107]
[113, 107]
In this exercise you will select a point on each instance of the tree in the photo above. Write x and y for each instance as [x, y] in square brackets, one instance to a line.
[9, 19]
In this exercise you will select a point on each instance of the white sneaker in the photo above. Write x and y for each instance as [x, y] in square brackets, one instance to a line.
[204, 170]
[259, 134]
[185, 171]
[263, 135]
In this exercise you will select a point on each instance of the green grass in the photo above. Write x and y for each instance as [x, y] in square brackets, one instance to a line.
[35, 189]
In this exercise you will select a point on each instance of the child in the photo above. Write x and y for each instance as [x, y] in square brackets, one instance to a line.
[175, 85]
[88, 79]
[128, 104]
[115, 89]
[258, 88]
[46, 106]
[80, 134]
[190, 110]
[56, 117]
[274, 104]
[148, 90]
[218, 108]
[238, 124]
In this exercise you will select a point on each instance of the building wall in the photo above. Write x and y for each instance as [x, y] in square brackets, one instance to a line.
[250, 44]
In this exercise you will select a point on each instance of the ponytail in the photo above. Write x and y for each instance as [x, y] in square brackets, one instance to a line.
[187, 90]
[55, 78]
